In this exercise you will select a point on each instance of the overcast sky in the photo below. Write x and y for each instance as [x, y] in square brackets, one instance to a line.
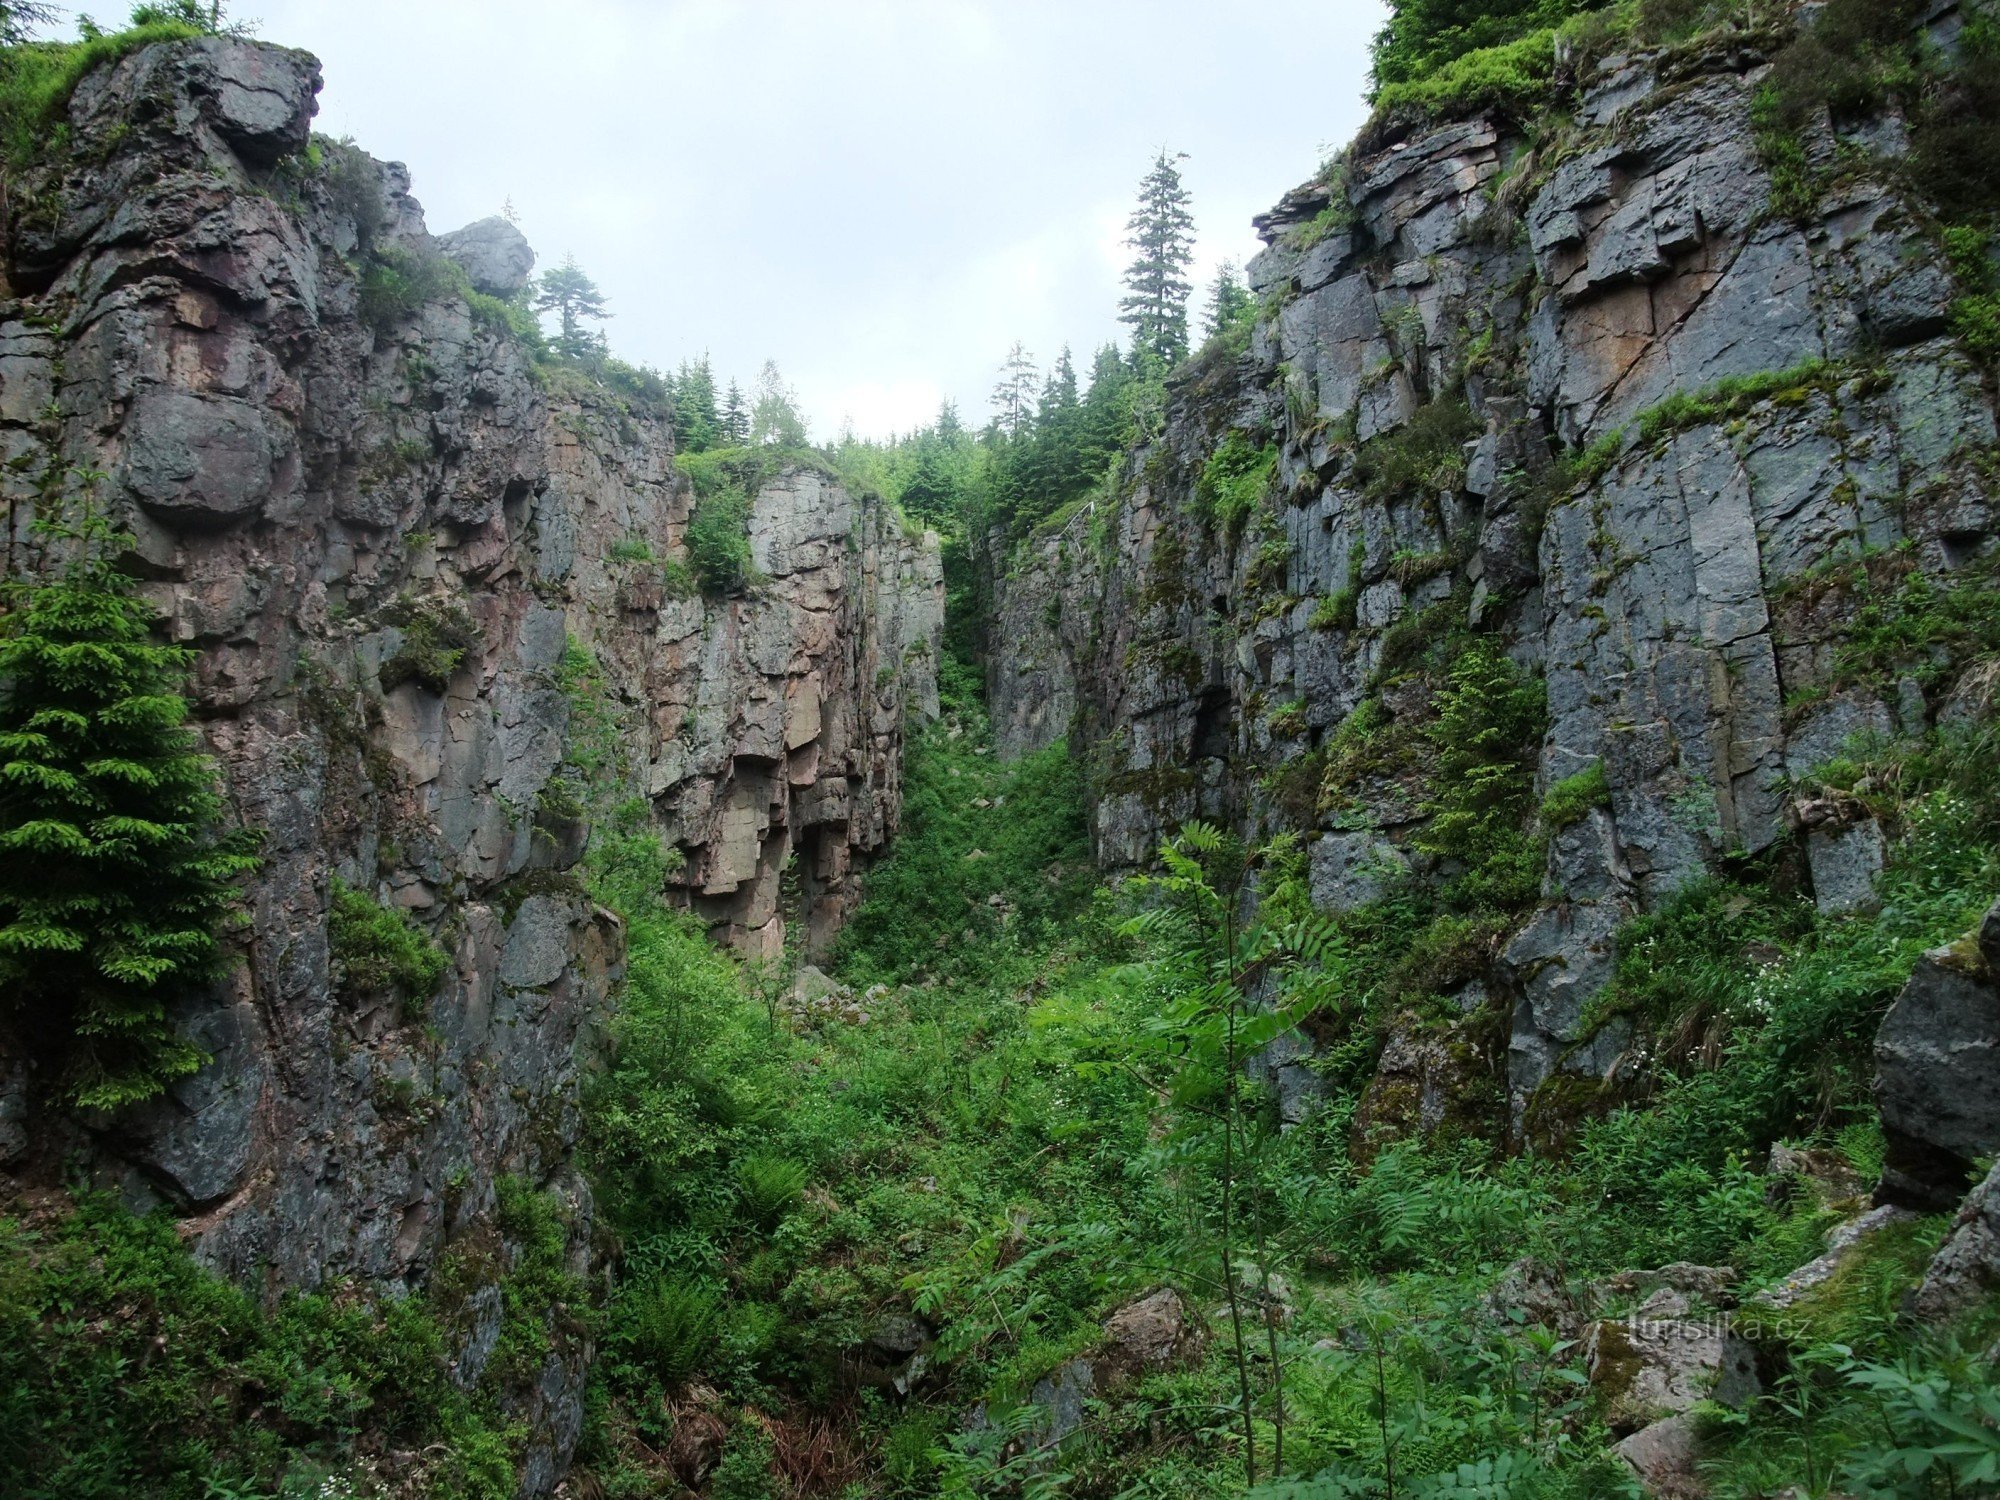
[879, 194]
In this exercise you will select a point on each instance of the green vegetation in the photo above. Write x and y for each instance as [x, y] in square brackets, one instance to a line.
[1515, 76]
[1571, 799]
[718, 534]
[397, 283]
[1975, 315]
[436, 635]
[572, 296]
[126, 1370]
[1484, 740]
[37, 79]
[1425, 454]
[1426, 41]
[1235, 478]
[375, 949]
[1735, 395]
[116, 874]
[1162, 238]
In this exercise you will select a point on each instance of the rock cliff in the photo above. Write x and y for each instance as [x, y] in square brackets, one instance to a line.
[1593, 393]
[436, 594]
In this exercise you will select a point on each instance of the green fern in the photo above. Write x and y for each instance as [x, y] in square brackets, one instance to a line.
[770, 1185]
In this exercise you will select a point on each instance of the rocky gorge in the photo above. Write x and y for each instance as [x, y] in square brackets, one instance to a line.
[1574, 579]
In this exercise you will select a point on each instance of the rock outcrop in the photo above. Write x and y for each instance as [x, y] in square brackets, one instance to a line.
[1608, 405]
[1937, 1082]
[435, 596]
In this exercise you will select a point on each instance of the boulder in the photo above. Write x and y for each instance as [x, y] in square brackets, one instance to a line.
[262, 99]
[1671, 1291]
[1844, 1245]
[1645, 1369]
[1826, 1175]
[1156, 1332]
[1662, 1455]
[1966, 1269]
[813, 988]
[495, 256]
[1530, 1292]
[1937, 1081]
[897, 1332]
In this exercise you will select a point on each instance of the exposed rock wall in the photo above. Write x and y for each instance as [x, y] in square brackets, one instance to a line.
[382, 526]
[1677, 582]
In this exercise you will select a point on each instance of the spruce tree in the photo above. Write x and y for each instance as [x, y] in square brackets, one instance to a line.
[696, 421]
[735, 419]
[1055, 472]
[1228, 300]
[114, 878]
[1014, 392]
[572, 296]
[1162, 234]
[18, 18]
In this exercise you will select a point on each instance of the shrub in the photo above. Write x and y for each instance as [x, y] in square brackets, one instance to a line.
[114, 875]
[399, 282]
[1426, 37]
[1427, 453]
[718, 542]
[437, 633]
[631, 549]
[126, 1369]
[1233, 480]
[1574, 796]
[376, 949]
[1489, 725]
[1516, 75]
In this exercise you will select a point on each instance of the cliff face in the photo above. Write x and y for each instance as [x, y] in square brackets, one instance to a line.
[1594, 396]
[390, 536]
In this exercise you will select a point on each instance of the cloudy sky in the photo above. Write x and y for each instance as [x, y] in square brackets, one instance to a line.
[879, 194]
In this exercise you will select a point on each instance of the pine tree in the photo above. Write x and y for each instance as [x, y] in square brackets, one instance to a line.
[113, 878]
[1228, 300]
[1014, 393]
[949, 429]
[1162, 232]
[735, 421]
[572, 296]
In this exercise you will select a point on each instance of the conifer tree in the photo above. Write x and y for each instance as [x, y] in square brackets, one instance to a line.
[696, 421]
[1055, 471]
[1014, 393]
[735, 420]
[572, 296]
[114, 879]
[1162, 234]
[949, 429]
[1228, 300]
[19, 17]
